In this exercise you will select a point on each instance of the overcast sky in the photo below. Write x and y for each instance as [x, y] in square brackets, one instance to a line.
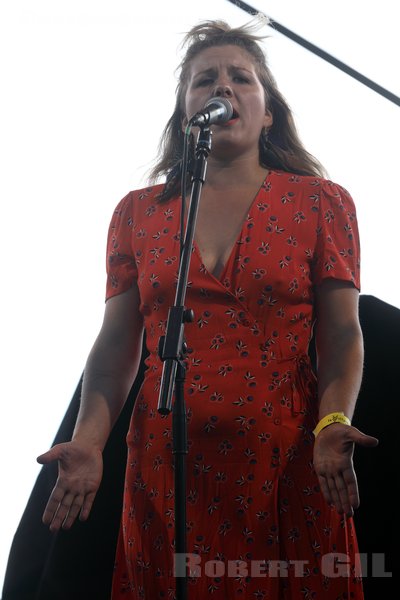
[87, 86]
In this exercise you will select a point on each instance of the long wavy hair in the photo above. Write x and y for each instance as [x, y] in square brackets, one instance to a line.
[279, 148]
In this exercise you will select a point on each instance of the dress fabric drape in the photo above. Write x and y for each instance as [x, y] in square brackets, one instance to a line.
[257, 524]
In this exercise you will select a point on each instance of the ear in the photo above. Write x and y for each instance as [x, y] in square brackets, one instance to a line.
[268, 119]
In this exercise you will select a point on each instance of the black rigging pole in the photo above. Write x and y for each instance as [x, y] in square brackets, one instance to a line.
[319, 52]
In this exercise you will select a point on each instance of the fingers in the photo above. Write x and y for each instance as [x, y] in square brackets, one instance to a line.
[62, 510]
[74, 510]
[358, 437]
[341, 491]
[54, 453]
[344, 499]
[46, 458]
[367, 440]
[57, 509]
[333, 464]
[87, 506]
[334, 494]
[325, 489]
[79, 475]
[350, 482]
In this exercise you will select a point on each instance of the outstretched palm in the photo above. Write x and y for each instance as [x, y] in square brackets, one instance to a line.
[80, 469]
[333, 464]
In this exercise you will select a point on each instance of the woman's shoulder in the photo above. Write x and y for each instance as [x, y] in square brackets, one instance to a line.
[142, 207]
[312, 184]
[148, 193]
[146, 198]
[316, 181]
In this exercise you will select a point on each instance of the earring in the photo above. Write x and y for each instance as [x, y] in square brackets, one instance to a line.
[264, 138]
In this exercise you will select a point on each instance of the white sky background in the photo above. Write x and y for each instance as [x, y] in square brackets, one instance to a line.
[86, 88]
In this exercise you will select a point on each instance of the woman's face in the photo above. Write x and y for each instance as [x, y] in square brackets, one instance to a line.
[229, 71]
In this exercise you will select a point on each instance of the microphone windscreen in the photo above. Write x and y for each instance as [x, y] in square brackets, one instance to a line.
[219, 101]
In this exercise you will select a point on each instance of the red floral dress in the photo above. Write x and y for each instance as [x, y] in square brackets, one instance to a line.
[257, 525]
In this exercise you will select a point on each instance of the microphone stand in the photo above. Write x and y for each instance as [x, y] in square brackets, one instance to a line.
[172, 351]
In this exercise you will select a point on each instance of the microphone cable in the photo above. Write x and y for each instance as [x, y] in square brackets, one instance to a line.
[184, 171]
[318, 51]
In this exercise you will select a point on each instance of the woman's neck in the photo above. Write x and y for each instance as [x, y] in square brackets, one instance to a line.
[239, 173]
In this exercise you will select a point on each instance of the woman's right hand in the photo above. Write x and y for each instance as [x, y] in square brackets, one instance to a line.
[80, 469]
[108, 376]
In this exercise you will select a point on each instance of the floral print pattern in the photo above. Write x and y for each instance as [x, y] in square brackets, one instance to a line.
[257, 523]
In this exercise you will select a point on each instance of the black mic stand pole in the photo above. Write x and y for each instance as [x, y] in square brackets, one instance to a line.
[172, 351]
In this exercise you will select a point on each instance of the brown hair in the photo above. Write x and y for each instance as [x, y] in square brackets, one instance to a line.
[280, 147]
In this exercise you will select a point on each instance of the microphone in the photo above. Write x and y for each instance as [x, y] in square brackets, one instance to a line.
[216, 110]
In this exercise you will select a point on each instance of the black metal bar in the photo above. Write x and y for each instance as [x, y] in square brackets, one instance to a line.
[321, 53]
[180, 450]
[172, 350]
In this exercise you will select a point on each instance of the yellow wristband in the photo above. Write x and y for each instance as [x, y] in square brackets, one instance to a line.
[337, 417]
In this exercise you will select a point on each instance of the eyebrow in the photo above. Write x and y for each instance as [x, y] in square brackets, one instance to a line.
[212, 70]
[209, 71]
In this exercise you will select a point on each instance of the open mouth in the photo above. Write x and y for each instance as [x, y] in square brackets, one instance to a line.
[235, 116]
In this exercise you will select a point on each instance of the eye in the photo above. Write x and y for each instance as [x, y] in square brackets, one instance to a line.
[204, 82]
[240, 79]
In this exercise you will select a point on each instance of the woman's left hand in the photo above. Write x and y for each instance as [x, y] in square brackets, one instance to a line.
[333, 464]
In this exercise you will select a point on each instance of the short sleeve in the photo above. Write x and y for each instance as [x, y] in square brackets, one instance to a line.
[121, 265]
[337, 251]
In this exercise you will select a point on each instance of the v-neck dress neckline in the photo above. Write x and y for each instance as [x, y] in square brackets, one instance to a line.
[233, 251]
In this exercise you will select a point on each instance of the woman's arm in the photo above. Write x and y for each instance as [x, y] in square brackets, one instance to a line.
[111, 368]
[108, 376]
[339, 347]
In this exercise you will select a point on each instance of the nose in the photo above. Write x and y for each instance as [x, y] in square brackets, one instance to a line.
[223, 90]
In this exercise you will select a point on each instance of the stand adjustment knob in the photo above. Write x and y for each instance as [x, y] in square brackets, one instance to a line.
[188, 315]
